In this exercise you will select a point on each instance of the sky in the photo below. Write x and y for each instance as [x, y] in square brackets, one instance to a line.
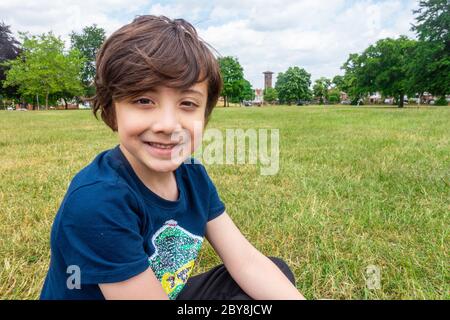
[317, 35]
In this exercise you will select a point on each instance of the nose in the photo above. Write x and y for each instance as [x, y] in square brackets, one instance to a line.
[166, 122]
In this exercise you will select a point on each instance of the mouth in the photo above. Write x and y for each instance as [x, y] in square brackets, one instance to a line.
[159, 145]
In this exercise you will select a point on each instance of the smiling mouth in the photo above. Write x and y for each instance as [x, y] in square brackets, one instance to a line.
[161, 145]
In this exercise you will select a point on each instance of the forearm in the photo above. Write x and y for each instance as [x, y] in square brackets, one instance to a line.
[261, 279]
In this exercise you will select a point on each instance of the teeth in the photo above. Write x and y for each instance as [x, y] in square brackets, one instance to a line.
[162, 146]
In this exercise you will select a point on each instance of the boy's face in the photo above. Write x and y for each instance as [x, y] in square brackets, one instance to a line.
[161, 128]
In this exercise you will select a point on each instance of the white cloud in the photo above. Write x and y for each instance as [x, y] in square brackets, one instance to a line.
[264, 34]
[64, 16]
[315, 35]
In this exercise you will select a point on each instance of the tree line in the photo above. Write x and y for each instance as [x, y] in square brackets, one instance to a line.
[392, 67]
[39, 70]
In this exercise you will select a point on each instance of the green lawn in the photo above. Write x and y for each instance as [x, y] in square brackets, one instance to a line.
[357, 186]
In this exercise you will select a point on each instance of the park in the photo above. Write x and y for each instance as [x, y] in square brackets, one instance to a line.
[356, 186]
[345, 177]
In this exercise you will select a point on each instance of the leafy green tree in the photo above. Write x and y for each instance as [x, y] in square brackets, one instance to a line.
[88, 42]
[43, 69]
[270, 95]
[433, 21]
[352, 81]
[233, 79]
[424, 69]
[334, 96]
[9, 50]
[382, 67]
[320, 89]
[338, 82]
[386, 67]
[442, 101]
[293, 85]
[247, 92]
[429, 69]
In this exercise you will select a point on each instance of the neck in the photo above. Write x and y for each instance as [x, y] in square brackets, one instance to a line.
[154, 180]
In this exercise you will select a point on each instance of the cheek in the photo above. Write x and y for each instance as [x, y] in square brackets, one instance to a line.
[192, 121]
[195, 131]
[130, 124]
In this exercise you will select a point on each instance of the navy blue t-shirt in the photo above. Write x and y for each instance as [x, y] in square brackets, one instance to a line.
[111, 227]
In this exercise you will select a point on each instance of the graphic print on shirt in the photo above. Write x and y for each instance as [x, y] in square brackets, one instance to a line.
[173, 260]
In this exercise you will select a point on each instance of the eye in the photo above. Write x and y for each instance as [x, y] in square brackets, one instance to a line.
[190, 104]
[143, 101]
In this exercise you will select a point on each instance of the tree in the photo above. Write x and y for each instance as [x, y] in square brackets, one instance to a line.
[320, 89]
[9, 50]
[247, 92]
[293, 85]
[338, 82]
[270, 95]
[424, 69]
[381, 67]
[351, 81]
[88, 42]
[43, 69]
[429, 69]
[334, 96]
[233, 79]
[433, 21]
[386, 67]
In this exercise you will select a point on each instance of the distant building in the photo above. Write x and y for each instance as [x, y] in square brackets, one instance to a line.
[258, 95]
[427, 98]
[70, 106]
[268, 79]
[343, 96]
[24, 105]
[375, 98]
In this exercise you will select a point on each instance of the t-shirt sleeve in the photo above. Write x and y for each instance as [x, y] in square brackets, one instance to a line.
[216, 205]
[99, 232]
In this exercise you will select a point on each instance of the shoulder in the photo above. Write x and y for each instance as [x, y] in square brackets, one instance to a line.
[100, 183]
[101, 168]
[99, 202]
[115, 191]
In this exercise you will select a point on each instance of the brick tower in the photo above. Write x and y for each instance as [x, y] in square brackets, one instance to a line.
[268, 79]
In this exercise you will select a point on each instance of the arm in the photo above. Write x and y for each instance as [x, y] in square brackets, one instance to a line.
[144, 286]
[248, 267]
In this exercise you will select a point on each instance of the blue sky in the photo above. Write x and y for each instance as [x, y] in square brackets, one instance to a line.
[317, 35]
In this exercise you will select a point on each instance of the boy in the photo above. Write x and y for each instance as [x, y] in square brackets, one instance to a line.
[133, 221]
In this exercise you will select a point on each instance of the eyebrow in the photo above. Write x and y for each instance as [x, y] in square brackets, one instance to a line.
[182, 91]
[192, 91]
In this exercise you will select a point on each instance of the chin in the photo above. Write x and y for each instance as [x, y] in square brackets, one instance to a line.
[159, 165]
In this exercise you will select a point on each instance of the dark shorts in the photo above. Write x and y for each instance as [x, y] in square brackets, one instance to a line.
[217, 284]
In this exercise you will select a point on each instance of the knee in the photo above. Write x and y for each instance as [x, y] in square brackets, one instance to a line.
[284, 268]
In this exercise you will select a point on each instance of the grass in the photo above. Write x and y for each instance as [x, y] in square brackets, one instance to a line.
[357, 186]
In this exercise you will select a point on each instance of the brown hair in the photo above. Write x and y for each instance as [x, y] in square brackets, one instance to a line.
[148, 52]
